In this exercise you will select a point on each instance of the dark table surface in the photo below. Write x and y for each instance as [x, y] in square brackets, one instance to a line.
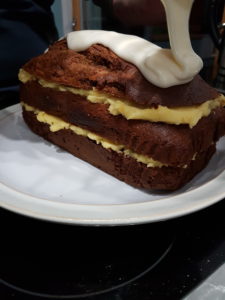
[164, 260]
[189, 249]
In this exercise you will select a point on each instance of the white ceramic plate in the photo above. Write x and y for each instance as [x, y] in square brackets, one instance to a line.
[40, 180]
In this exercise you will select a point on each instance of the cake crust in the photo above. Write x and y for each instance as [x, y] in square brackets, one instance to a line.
[98, 67]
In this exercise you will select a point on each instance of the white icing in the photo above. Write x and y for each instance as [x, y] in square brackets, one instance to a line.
[162, 67]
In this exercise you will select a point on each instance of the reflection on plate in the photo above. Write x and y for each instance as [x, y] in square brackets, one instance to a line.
[39, 179]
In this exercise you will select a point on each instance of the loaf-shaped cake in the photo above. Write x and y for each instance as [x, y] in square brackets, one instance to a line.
[101, 108]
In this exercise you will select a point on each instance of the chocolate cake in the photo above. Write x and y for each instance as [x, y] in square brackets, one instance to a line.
[100, 108]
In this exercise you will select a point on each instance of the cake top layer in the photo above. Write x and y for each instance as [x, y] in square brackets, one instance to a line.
[161, 67]
[98, 67]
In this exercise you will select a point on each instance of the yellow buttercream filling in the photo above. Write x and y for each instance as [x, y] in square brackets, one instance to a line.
[56, 124]
[179, 115]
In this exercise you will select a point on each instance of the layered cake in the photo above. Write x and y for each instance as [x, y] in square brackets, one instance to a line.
[102, 109]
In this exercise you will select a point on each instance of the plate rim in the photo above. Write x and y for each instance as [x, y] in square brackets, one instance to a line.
[115, 214]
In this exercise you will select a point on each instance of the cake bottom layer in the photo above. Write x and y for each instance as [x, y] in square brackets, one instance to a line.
[118, 165]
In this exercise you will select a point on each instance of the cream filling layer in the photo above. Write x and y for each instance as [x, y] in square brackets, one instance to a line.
[56, 124]
[180, 115]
